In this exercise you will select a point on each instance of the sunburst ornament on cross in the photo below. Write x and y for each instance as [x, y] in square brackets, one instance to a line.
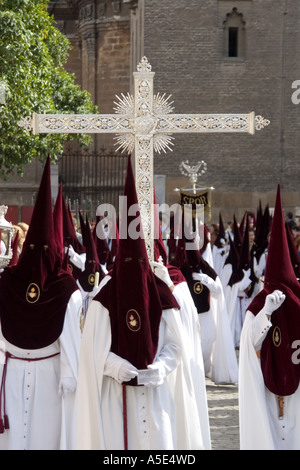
[143, 124]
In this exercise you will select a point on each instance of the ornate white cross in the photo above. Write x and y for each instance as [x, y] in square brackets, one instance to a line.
[144, 123]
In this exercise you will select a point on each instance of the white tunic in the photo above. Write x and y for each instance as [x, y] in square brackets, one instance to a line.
[219, 355]
[218, 256]
[151, 412]
[237, 304]
[39, 417]
[193, 351]
[260, 425]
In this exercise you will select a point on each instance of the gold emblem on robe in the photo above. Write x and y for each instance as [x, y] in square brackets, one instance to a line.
[91, 279]
[32, 293]
[133, 320]
[198, 287]
[277, 336]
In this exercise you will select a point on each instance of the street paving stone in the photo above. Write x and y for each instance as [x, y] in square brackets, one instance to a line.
[223, 415]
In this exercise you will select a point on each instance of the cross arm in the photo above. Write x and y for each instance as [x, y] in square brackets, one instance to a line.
[76, 123]
[207, 123]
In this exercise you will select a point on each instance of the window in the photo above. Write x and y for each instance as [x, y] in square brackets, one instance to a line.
[234, 29]
[233, 34]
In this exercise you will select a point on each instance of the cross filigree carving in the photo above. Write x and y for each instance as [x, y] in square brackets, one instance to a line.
[144, 124]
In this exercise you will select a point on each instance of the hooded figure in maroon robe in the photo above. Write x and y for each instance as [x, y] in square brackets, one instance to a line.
[134, 296]
[39, 315]
[35, 292]
[281, 375]
[133, 330]
[269, 365]
[76, 249]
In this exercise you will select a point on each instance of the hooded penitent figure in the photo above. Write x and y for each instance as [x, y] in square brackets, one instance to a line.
[269, 360]
[133, 325]
[219, 248]
[294, 254]
[190, 323]
[236, 291]
[216, 340]
[73, 247]
[38, 308]
[260, 246]
[88, 279]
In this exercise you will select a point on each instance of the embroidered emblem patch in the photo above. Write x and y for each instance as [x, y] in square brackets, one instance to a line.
[32, 293]
[70, 267]
[91, 279]
[277, 336]
[133, 320]
[198, 287]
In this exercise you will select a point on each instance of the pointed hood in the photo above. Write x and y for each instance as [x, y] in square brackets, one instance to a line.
[243, 225]
[281, 374]
[134, 296]
[233, 256]
[14, 248]
[194, 263]
[100, 242]
[35, 292]
[70, 238]
[221, 235]
[58, 223]
[40, 248]
[160, 250]
[294, 254]
[172, 242]
[87, 277]
[262, 234]
[244, 259]
[82, 227]
[159, 247]
[259, 216]
[205, 240]
[238, 239]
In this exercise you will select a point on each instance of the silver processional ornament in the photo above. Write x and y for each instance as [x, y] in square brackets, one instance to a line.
[195, 197]
[7, 231]
[193, 171]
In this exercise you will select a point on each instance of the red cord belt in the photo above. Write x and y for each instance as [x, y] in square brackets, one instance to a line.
[4, 423]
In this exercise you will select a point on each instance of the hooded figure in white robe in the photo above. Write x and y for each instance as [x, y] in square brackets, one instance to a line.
[39, 339]
[269, 393]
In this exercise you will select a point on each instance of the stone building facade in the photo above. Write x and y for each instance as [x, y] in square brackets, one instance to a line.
[188, 45]
[212, 56]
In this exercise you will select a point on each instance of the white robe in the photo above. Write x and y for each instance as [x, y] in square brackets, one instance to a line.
[40, 418]
[193, 351]
[237, 304]
[218, 350]
[207, 255]
[260, 425]
[218, 256]
[153, 422]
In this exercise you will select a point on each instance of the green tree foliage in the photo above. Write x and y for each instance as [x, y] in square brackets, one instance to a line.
[32, 57]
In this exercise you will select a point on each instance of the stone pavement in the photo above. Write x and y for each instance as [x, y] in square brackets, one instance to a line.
[223, 415]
